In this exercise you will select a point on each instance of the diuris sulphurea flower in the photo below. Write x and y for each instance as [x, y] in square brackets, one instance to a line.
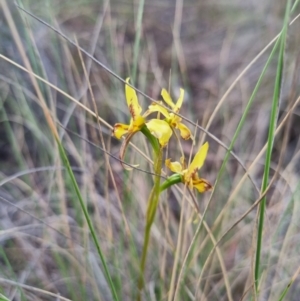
[158, 128]
[172, 119]
[189, 175]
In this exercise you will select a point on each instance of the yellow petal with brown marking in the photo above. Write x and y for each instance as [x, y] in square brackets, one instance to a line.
[202, 185]
[132, 101]
[174, 166]
[120, 129]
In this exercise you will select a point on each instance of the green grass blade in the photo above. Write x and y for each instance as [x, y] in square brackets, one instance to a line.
[271, 136]
[295, 5]
[3, 298]
[242, 121]
[287, 288]
[246, 111]
[248, 106]
[285, 215]
[88, 219]
[137, 40]
[11, 274]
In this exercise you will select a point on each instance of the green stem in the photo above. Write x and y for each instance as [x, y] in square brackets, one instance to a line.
[153, 140]
[172, 180]
[150, 215]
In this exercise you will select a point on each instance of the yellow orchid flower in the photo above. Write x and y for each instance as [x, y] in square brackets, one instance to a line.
[189, 175]
[172, 119]
[158, 128]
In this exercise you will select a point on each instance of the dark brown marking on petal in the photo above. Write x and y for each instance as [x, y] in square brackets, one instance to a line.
[131, 110]
[116, 126]
[186, 137]
[207, 185]
[114, 129]
[194, 173]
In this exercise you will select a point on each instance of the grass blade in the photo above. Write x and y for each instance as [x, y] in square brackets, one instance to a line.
[87, 217]
[3, 298]
[137, 40]
[271, 136]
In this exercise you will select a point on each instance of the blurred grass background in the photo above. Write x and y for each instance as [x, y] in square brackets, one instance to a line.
[46, 252]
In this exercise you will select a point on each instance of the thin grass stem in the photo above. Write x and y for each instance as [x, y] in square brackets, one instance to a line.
[271, 137]
[137, 40]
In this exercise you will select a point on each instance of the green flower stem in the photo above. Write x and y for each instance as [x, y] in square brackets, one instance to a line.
[153, 140]
[173, 179]
[150, 215]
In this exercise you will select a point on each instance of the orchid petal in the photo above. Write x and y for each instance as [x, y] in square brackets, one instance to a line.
[179, 101]
[174, 166]
[184, 131]
[167, 98]
[120, 129]
[132, 101]
[157, 108]
[161, 130]
[198, 160]
[202, 185]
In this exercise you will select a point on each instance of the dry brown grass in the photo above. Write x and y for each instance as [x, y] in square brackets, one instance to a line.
[45, 249]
